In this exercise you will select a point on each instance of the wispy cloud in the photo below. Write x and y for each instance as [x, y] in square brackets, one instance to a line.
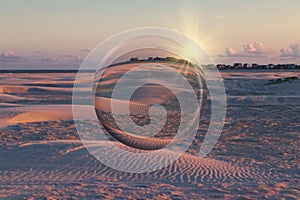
[10, 56]
[292, 52]
[40, 60]
[72, 58]
[49, 59]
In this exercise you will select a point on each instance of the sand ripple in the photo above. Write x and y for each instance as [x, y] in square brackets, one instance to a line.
[68, 161]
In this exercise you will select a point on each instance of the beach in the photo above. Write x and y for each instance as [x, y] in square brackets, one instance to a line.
[256, 156]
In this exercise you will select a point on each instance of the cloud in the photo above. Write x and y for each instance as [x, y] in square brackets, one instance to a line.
[292, 52]
[40, 60]
[256, 49]
[72, 58]
[231, 52]
[10, 56]
[62, 58]
[49, 59]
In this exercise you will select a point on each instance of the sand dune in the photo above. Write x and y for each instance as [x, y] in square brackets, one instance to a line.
[64, 169]
[68, 161]
[10, 98]
[258, 74]
[35, 89]
[263, 100]
[24, 114]
[34, 83]
[39, 116]
[13, 89]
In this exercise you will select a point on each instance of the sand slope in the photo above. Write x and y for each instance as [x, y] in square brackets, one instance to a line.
[39, 113]
[68, 161]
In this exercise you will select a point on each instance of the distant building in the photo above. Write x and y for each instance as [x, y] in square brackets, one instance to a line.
[247, 66]
[291, 66]
[264, 66]
[238, 65]
[134, 59]
[254, 66]
[271, 66]
[280, 66]
[221, 66]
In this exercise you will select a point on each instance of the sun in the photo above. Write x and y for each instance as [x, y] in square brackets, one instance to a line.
[190, 23]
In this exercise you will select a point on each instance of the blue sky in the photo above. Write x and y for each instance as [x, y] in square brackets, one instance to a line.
[59, 33]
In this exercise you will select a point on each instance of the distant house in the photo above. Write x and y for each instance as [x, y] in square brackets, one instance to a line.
[271, 66]
[247, 66]
[221, 66]
[264, 66]
[280, 66]
[254, 66]
[238, 65]
[157, 58]
[291, 66]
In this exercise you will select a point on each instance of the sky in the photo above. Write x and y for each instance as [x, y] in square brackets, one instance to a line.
[53, 34]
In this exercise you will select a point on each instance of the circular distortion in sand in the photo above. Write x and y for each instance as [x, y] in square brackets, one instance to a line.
[148, 111]
[148, 102]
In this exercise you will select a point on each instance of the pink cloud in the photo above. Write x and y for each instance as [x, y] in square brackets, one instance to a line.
[231, 52]
[256, 48]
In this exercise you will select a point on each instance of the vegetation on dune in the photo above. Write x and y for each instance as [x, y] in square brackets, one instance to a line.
[283, 80]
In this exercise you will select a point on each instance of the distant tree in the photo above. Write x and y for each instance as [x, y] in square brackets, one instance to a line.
[134, 59]
[171, 59]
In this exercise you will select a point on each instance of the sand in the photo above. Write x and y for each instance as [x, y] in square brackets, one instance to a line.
[41, 156]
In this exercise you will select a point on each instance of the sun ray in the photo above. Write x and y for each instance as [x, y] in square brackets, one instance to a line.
[190, 23]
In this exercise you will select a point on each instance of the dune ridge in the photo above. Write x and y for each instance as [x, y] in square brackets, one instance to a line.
[37, 113]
